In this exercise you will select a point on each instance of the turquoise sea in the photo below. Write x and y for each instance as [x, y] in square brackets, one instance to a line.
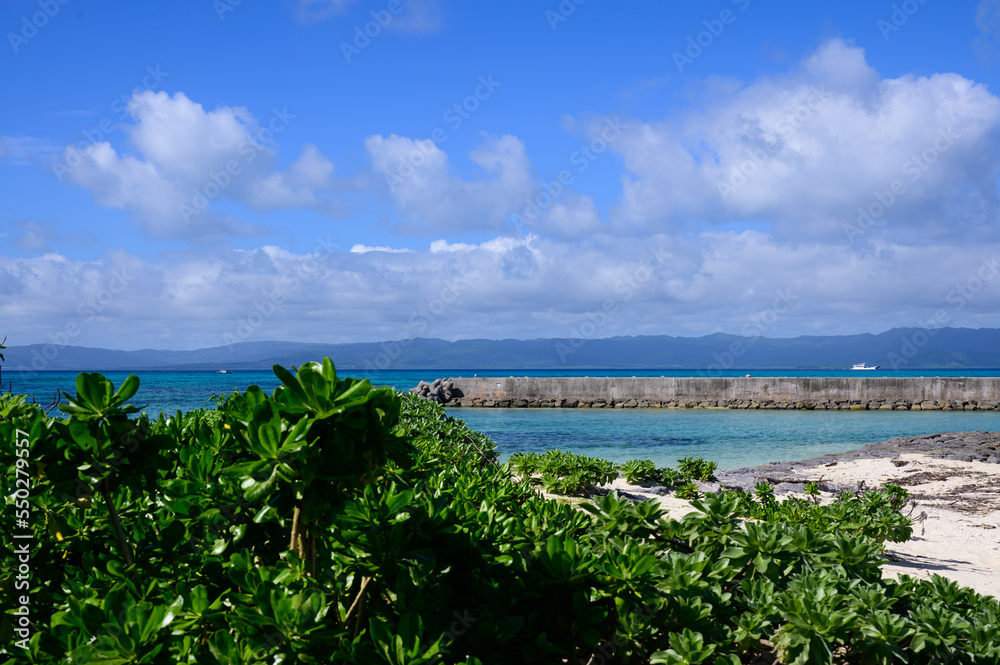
[731, 438]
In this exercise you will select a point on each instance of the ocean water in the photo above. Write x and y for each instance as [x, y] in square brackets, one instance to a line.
[732, 438]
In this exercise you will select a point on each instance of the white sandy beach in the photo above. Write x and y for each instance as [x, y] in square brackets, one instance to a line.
[960, 536]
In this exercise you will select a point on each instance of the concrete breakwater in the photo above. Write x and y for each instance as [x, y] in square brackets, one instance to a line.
[842, 393]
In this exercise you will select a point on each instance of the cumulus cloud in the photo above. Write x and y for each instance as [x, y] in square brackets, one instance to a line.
[422, 184]
[32, 235]
[802, 152]
[691, 284]
[363, 249]
[188, 159]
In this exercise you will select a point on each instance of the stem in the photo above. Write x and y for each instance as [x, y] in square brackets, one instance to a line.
[296, 518]
[365, 581]
[115, 522]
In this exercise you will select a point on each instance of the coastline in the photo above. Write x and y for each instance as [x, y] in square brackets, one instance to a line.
[956, 495]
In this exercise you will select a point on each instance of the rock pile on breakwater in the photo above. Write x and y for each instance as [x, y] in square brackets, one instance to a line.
[767, 404]
[438, 390]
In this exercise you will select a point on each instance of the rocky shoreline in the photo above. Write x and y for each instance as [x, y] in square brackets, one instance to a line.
[791, 476]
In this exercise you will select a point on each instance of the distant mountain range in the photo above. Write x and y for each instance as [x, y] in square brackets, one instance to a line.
[899, 348]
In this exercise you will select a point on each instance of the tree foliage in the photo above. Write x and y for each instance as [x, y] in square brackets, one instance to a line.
[336, 522]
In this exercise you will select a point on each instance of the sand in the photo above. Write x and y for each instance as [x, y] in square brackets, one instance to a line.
[957, 513]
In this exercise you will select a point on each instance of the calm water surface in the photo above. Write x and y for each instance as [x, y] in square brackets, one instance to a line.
[731, 438]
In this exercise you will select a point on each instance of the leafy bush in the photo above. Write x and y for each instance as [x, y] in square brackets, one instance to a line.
[564, 473]
[641, 471]
[695, 468]
[687, 490]
[334, 522]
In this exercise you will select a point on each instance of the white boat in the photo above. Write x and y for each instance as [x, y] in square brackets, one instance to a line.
[225, 371]
[863, 366]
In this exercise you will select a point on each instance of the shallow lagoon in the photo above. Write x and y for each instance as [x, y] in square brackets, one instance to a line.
[733, 438]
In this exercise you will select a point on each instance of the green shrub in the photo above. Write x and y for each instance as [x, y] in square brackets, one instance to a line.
[640, 471]
[695, 468]
[335, 522]
[562, 472]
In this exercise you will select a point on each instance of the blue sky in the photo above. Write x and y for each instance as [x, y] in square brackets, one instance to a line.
[189, 174]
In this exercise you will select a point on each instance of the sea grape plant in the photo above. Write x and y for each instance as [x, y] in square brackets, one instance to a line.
[413, 546]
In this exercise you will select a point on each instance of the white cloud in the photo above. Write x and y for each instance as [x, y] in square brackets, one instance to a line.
[364, 249]
[188, 159]
[32, 235]
[422, 184]
[802, 152]
[692, 284]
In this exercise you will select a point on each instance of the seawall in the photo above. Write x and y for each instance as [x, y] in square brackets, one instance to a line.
[855, 393]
